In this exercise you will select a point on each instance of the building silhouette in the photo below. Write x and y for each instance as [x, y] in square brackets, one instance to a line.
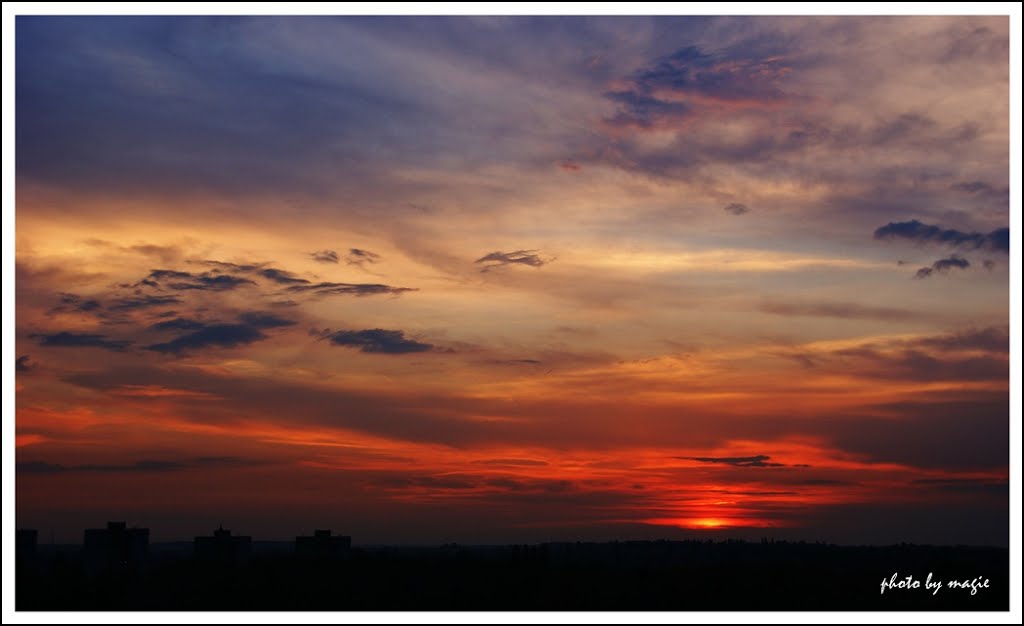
[116, 548]
[223, 548]
[26, 544]
[323, 546]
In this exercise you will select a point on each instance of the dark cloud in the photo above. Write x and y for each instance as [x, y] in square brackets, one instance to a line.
[978, 188]
[997, 240]
[38, 467]
[923, 366]
[728, 76]
[513, 462]
[986, 339]
[221, 460]
[979, 191]
[968, 485]
[296, 284]
[213, 335]
[930, 431]
[519, 257]
[819, 482]
[753, 493]
[769, 149]
[915, 364]
[160, 315]
[264, 320]
[143, 302]
[65, 339]
[943, 266]
[376, 340]
[178, 323]
[282, 277]
[412, 416]
[74, 302]
[114, 309]
[183, 281]
[144, 465]
[22, 364]
[736, 208]
[168, 274]
[218, 279]
[978, 44]
[542, 485]
[203, 334]
[359, 257]
[804, 360]
[972, 187]
[759, 460]
[842, 310]
[325, 256]
[273, 274]
[230, 267]
[464, 481]
[348, 289]
[901, 127]
[642, 110]
[220, 282]
[674, 85]
[948, 356]
[449, 481]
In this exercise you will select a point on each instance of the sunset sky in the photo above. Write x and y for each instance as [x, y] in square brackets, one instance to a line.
[508, 279]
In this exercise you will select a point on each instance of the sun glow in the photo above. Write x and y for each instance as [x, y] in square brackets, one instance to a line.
[709, 523]
[712, 523]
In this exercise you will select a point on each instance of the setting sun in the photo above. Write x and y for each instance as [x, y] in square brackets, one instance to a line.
[709, 522]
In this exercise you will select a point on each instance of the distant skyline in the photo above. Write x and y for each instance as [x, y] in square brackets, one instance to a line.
[514, 279]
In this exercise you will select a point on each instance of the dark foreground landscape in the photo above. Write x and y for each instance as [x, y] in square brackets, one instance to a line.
[643, 575]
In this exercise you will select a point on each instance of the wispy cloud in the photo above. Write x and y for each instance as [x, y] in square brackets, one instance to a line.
[376, 341]
[361, 258]
[141, 466]
[325, 256]
[837, 309]
[758, 460]
[349, 289]
[519, 257]
[736, 208]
